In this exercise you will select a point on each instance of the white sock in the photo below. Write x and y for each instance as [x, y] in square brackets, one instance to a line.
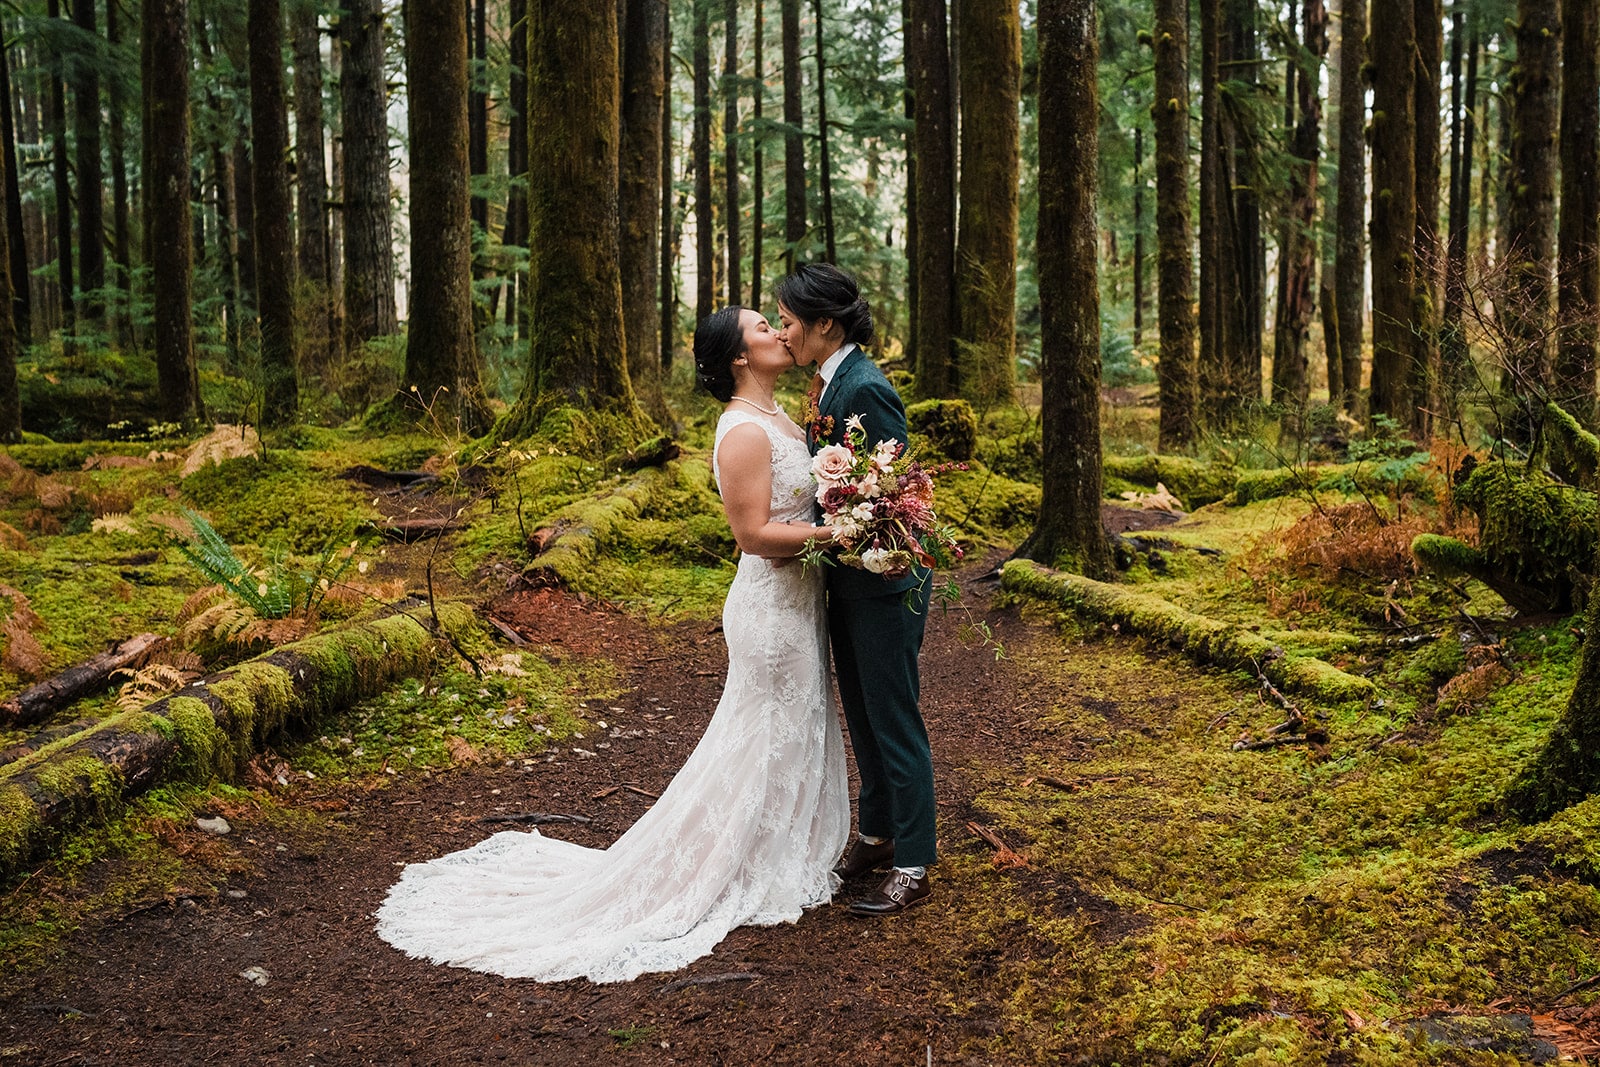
[915, 872]
[868, 839]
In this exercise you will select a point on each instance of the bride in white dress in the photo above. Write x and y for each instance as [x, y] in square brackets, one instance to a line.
[748, 831]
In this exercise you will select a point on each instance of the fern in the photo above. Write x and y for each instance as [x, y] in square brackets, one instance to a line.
[213, 557]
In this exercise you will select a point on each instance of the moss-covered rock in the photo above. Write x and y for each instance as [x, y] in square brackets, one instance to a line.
[1207, 640]
[1194, 482]
[949, 427]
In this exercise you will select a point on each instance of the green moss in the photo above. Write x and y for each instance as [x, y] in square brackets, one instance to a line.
[947, 427]
[285, 498]
[1578, 445]
[19, 822]
[88, 783]
[1194, 482]
[206, 750]
[1533, 532]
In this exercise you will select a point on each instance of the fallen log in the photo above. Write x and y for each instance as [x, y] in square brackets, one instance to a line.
[42, 738]
[573, 536]
[1205, 640]
[209, 729]
[39, 702]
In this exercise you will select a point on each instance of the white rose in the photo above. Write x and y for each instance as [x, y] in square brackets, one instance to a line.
[869, 485]
[833, 464]
[875, 560]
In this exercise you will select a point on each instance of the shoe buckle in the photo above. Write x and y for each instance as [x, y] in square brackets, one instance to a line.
[895, 894]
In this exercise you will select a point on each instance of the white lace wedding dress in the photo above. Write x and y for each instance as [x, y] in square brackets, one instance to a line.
[745, 834]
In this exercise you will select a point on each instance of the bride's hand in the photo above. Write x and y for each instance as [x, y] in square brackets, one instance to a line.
[821, 535]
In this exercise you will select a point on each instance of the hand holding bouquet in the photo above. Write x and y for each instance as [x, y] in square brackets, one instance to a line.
[879, 502]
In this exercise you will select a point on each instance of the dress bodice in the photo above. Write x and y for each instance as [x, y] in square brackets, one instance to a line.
[792, 484]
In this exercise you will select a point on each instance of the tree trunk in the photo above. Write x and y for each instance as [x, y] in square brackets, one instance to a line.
[1428, 253]
[91, 195]
[1531, 211]
[10, 346]
[1297, 250]
[986, 249]
[16, 230]
[1138, 237]
[39, 702]
[704, 225]
[515, 233]
[644, 69]
[1243, 240]
[1215, 264]
[441, 355]
[166, 41]
[369, 303]
[1394, 204]
[794, 150]
[576, 351]
[1176, 368]
[60, 171]
[928, 73]
[121, 243]
[274, 238]
[824, 167]
[478, 107]
[1350, 286]
[668, 273]
[1455, 368]
[1068, 529]
[913, 251]
[311, 185]
[1578, 275]
[730, 151]
[758, 163]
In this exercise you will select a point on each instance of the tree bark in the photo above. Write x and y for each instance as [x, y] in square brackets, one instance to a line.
[986, 247]
[758, 162]
[274, 240]
[441, 355]
[1578, 273]
[311, 185]
[1350, 286]
[1298, 247]
[166, 31]
[1531, 211]
[121, 244]
[1428, 253]
[1455, 369]
[1068, 529]
[38, 702]
[668, 272]
[1138, 237]
[730, 151]
[369, 302]
[576, 351]
[644, 70]
[794, 151]
[1243, 243]
[478, 107]
[928, 72]
[704, 225]
[244, 212]
[1215, 263]
[1394, 205]
[1178, 378]
[91, 195]
[824, 166]
[515, 233]
[60, 173]
[16, 229]
[10, 344]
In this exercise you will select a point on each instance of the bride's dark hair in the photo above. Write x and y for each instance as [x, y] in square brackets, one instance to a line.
[718, 341]
[818, 291]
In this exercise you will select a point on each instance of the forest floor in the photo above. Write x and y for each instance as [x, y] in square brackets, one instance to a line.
[1161, 898]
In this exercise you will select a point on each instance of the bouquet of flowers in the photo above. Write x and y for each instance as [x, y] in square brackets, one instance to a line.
[879, 502]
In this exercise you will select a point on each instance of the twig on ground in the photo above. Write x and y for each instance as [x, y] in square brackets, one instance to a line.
[1270, 742]
[537, 818]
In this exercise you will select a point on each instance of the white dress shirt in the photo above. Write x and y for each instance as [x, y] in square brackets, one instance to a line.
[830, 367]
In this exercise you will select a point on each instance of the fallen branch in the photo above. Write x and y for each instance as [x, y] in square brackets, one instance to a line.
[573, 537]
[538, 818]
[1205, 640]
[210, 728]
[708, 979]
[39, 702]
[1271, 742]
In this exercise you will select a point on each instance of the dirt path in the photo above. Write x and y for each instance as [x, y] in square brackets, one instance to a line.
[161, 985]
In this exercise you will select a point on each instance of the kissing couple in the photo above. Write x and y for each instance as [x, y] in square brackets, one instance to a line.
[754, 828]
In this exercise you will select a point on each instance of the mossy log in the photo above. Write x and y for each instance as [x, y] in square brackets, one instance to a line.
[211, 728]
[574, 535]
[1450, 558]
[1579, 447]
[1195, 483]
[949, 427]
[1381, 479]
[1206, 640]
[39, 702]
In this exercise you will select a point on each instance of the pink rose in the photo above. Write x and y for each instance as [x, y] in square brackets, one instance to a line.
[833, 464]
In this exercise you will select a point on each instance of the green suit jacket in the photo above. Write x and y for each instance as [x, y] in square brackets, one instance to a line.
[859, 388]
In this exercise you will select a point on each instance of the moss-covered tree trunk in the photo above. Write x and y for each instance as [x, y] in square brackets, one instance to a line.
[576, 348]
[311, 189]
[1297, 264]
[10, 342]
[1531, 212]
[644, 72]
[1394, 204]
[166, 40]
[274, 214]
[441, 351]
[933, 144]
[1177, 371]
[1422, 371]
[986, 243]
[1578, 272]
[515, 232]
[1069, 526]
[1350, 256]
[91, 193]
[794, 149]
[369, 304]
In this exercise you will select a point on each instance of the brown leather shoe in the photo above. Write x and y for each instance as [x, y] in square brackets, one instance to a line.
[895, 894]
[861, 858]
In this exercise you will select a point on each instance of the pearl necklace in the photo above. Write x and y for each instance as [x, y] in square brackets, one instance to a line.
[774, 410]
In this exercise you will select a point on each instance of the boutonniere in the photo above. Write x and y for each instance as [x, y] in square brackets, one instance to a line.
[818, 425]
